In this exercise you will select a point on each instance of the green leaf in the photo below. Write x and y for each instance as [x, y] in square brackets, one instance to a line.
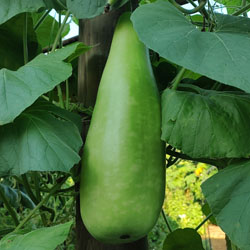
[206, 210]
[26, 201]
[55, 4]
[19, 89]
[40, 139]
[47, 238]
[45, 34]
[81, 48]
[11, 40]
[227, 194]
[42, 104]
[119, 3]
[10, 8]
[207, 123]
[86, 8]
[12, 196]
[223, 55]
[183, 239]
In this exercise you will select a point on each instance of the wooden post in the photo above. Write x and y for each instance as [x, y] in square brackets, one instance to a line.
[97, 32]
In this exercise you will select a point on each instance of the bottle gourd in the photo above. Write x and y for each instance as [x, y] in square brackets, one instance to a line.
[123, 172]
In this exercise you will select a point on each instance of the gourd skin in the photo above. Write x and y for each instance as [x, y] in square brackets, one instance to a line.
[123, 172]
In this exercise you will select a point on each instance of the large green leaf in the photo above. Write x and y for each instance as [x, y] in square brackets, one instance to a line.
[90, 8]
[86, 8]
[228, 196]
[11, 40]
[207, 123]
[19, 89]
[181, 239]
[42, 138]
[55, 4]
[47, 238]
[223, 55]
[10, 8]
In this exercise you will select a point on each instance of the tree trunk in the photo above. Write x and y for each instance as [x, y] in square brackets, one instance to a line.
[97, 32]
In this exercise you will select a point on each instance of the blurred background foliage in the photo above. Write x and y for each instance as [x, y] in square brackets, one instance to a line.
[183, 200]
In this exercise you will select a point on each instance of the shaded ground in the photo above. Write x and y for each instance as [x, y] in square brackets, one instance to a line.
[217, 238]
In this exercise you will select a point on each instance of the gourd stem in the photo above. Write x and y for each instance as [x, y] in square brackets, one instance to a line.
[41, 19]
[192, 11]
[9, 207]
[166, 220]
[46, 198]
[178, 78]
[204, 221]
[25, 39]
[242, 10]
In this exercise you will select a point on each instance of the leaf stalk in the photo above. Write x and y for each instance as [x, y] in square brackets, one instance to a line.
[9, 207]
[25, 39]
[242, 10]
[41, 19]
[178, 78]
[46, 198]
[204, 221]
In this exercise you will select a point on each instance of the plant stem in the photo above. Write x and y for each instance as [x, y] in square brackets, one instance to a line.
[242, 5]
[9, 207]
[242, 10]
[46, 198]
[41, 19]
[60, 96]
[36, 199]
[178, 78]
[37, 188]
[186, 11]
[25, 39]
[203, 222]
[58, 35]
[186, 157]
[25, 182]
[67, 95]
[60, 24]
[61, 4]
[203, 11]
[166, 220]
[33, 197]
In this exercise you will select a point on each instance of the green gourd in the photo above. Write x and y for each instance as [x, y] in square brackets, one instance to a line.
[123, 172]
